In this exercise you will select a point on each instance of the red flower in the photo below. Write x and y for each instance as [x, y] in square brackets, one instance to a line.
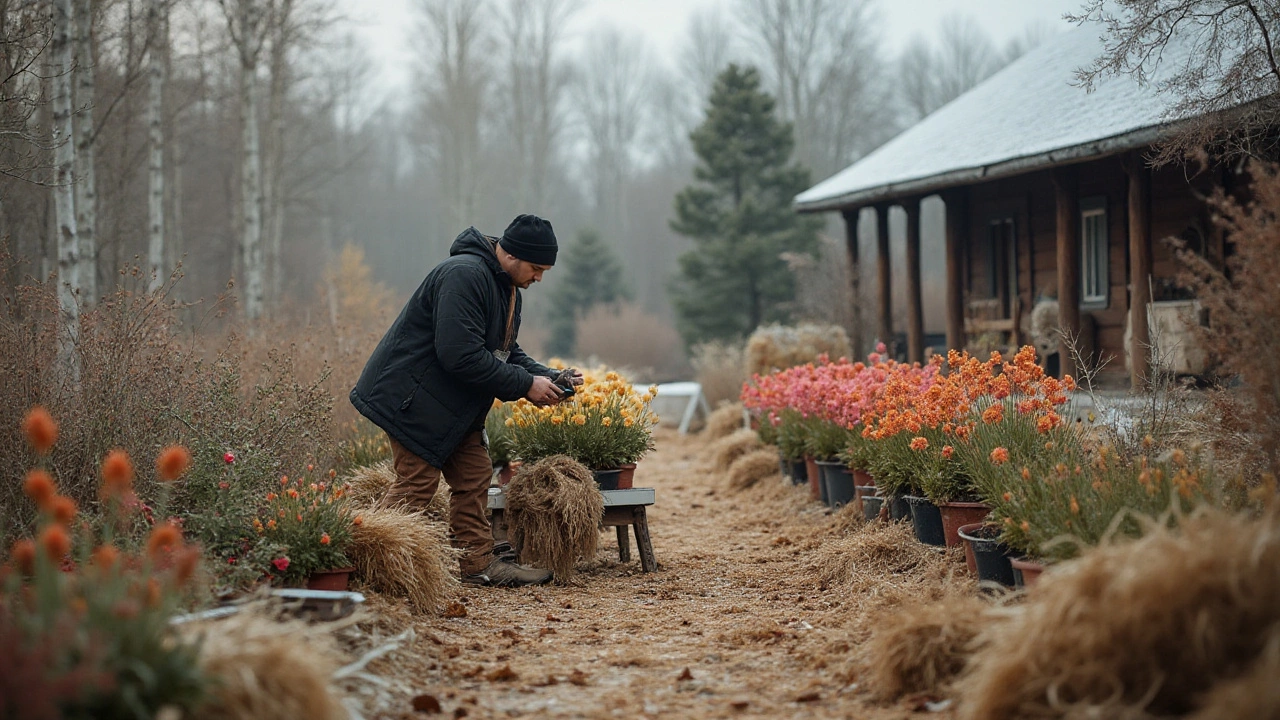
[948, 451]
[281, 563]
[228, 458]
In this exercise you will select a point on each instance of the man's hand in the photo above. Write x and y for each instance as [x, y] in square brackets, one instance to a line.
[543, 392]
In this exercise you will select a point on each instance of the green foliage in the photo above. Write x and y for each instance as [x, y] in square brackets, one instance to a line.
[363, 445]
[791, 437]
[739, 217]
[591, 275]
[312, 522]
[824, 439]
[501, 449]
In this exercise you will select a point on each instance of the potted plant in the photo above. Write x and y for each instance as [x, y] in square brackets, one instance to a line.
[311, 523]
[606, 424]
[501, 451]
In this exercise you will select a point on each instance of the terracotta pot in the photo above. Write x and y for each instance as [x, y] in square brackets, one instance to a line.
[335, 579]
[627, 476]
[508, 471]
[955, 514]
[862, 477]
[1026, 573]
[814, 476]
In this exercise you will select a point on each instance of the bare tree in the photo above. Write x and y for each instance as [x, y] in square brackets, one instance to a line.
[1032, 36]
[1225, 83]
[709, 47]
[612, 94]
[157, 66]
[86, 182]
[456, 70]
[535, 87]
[933, 74]
[61, 69]
[247, 21]
[824, 70]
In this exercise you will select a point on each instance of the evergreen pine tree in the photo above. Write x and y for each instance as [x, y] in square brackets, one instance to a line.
[739, 216]
[592, 276]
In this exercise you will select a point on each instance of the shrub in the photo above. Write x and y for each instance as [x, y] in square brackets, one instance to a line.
[719, 367]
[777, 347]
[624, 335]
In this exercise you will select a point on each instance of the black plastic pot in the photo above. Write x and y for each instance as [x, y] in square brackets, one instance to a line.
[784, 467]
[871, 507]
[838, 480]
[799, 474]
[607, 479]
[926, 520]
[898, 507]
[989, 554]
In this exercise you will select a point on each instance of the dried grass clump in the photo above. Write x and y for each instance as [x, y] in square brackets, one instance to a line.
[777, 347]
[1256, 694]
[753, 467]
[369, 485]
[727, 449]
[921, 646]
[553, 514]
[1147, 626]
[405, 553]
[875, 552]
[723, 421]
[718, 367]
[264, 668]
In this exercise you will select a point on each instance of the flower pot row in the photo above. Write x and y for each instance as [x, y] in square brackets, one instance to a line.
[619, 478]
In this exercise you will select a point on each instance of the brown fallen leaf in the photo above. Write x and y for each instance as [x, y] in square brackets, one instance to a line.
[473, 672]
[577, 677]
[511, 635]
[455, 610]
[740, 704]
[553, 618]
[502, 674]
[426, 704]
[810, 696]
[551, 680]
[685, 675]
[452, 651]
[459, 713]
[546, 631]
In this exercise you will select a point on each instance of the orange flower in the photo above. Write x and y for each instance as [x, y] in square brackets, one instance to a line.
[948, 451]
[324, 538]
[1075, 506]
[1026, 473]
[63, 509]
[1026, 526]
[919, 443]
[1007, 497]
[185, 565]
[173, 462]
[999, 456]
[40, 429]
[117, 473]
[56, 542]
[993, 414]
[40, 488]
[153, 592]
[105, 556]
[164, 537]
[358, 520]
[271, 524]
[24, 556]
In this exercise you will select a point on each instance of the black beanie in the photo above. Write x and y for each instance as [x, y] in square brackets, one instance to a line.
[530, 238]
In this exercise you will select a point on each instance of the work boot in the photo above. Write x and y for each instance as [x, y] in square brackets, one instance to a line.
[502, 549]
[505, 573]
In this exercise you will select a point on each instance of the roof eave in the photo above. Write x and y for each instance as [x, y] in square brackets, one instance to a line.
[1091, 150]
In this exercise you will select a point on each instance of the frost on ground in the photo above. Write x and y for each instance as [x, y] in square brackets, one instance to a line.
[745, 617]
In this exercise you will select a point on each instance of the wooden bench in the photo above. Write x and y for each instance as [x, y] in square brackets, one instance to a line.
[622, 509]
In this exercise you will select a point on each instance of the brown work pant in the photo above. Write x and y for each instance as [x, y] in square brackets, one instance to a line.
[468, 473]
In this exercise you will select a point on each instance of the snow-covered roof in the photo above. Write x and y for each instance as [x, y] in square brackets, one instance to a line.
[1031, 114]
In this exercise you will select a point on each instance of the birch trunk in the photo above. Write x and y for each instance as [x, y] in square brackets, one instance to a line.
[63, 193]
[158, 28]
[86, 183]
[251, 168]
[274, 186]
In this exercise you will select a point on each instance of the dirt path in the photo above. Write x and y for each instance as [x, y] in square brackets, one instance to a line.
[734, 623]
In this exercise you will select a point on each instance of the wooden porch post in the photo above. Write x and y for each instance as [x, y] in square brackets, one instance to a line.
[885, 331]
[851, 242]
[915, 301]
[1068, 222]
[1139, 268]
[957, 245]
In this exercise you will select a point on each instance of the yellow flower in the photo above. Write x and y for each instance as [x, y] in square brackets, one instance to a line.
[557, 420]
[579, 419]
[628, 422]
[510, 422]
[606, 421]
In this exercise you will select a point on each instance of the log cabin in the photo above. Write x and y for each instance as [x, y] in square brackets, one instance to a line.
[1054, 219]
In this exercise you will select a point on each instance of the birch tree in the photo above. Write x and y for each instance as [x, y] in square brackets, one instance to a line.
[247, 24]
[158, 32]
[61, 70]
[282, 32]
[85, 178]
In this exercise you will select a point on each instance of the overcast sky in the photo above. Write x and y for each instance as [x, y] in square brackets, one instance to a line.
[386, 24]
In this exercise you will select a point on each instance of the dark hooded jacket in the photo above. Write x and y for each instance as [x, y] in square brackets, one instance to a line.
[434, 375]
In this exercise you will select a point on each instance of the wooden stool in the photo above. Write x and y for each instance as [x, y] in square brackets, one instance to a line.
[622, 508]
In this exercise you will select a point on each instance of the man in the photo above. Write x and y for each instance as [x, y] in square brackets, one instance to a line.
[432, 379]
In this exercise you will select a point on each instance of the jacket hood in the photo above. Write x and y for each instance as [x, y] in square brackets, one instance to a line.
[473, 242]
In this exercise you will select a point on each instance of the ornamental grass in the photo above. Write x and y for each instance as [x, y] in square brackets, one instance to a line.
[728, 449]
[606, 423]
[921, 646]
[723, 421]
[405, 554]
[1159, 626]
[553, 514]
[262, 667]
[752, 468]
[368, 488]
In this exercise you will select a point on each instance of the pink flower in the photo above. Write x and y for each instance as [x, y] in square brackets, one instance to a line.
[281, 563]
[228, 458]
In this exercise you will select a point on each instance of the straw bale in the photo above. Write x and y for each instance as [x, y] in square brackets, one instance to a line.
[264, 668]
[723, 421]
[1256, 694]
[921, 646]
[876, 551]
[554, 509]
[369, 485]
[731, 447]
[753, 467]
[1147, 626]
[406, 554]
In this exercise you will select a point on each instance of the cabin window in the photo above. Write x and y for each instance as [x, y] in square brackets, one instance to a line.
[1094, 280]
